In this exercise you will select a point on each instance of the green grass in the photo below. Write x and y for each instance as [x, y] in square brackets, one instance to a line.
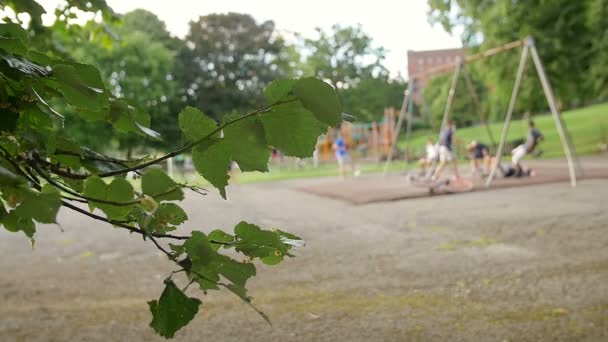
[588, 128]
[276, 174]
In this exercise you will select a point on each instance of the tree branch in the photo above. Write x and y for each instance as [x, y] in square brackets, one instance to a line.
[121, 224]
[194, 143]
[74, 193]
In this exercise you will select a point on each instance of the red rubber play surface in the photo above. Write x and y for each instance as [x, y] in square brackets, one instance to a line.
[376, 188]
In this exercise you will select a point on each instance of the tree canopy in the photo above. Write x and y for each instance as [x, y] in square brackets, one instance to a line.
[569, 35]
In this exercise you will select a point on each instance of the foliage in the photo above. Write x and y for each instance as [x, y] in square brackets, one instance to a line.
[370, 96]
[43, 170]
[344, 56]
[227, 62]
[570, 37]
[137, 62]
[465, 110]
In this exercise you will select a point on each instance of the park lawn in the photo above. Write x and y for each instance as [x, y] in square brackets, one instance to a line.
[276, 174]
[588, 128]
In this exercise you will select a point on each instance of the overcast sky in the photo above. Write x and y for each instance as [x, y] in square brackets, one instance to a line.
[397, 25]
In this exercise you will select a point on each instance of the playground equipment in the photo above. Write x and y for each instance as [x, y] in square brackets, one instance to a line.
[371, 140]
[529, 48]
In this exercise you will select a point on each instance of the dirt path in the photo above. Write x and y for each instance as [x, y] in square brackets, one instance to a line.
[523, 264]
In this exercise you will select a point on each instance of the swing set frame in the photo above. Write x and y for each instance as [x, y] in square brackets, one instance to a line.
[528, 49]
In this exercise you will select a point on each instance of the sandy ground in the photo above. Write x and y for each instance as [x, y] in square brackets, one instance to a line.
[524, 264]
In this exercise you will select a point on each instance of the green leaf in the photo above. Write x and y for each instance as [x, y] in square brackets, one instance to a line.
[279, 90]
[166, 215]
[208, 263]
[13, 39]
[72, 159]
[247, 145]
[194, 124]
[42, 207]
[264, 244]
[293, 129]
[155, 183]
[219, 236]
[212, 162]
[320, 98]
[119, 191]
[14, 222]
[82, 85]
[172, 311]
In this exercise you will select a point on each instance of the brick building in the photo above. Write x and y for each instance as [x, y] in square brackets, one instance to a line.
[420, 62]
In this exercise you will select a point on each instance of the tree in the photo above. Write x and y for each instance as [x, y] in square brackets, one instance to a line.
[137, 62]
[367, 100]
[42, 170]
[464, 109]
[562, 34]
[345, 56]
[227, 62]
[597, 21]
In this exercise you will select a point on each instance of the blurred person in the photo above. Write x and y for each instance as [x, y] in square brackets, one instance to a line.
[446, 154]
[431, 157]
[518, 153]
[342, 155]
[479, 154]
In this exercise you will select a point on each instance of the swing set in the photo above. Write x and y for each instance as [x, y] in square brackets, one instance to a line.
[528, 49]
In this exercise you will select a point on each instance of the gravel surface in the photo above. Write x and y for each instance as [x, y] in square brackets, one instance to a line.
[524, 264]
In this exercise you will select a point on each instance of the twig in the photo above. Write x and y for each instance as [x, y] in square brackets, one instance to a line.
[194, 143]
[74, 193]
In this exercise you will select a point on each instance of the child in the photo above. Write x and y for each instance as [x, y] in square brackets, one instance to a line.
[518, 153]
[479, 152]
[342, 155]
[431, 157]
[446, 154]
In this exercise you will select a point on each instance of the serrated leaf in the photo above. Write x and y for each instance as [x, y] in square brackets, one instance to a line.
[13, 39]
[194, 124]
[247, 145]
[82, 85]
[219, 236]
[320, 98]
[292, 129]
[119, 191]
[208, 263]
[165, 216]
[212, 162]
[42, 207]
[72, 159]
[279, 90]
[172, 311]
[157, 184]
[259, 243]
[13, 222]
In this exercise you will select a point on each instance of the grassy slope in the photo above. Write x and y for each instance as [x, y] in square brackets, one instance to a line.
[588, 128]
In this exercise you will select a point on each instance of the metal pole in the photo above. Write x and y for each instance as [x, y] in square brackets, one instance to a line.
[448, 105]
[477, 102]
[406, 99]
[471, 58]
[505, 128]
[410, 118]
[566, 143]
